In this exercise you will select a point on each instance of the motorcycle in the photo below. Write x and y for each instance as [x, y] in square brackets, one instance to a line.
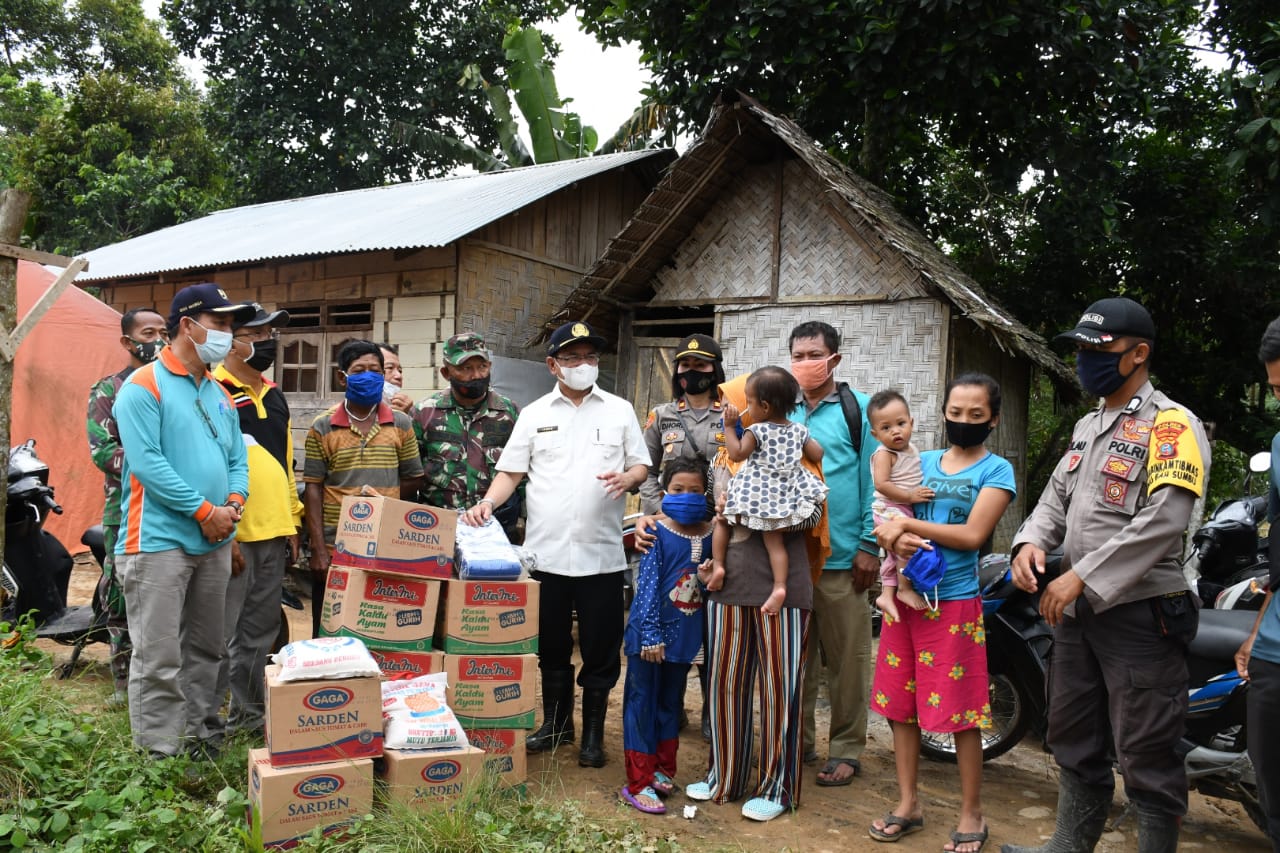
[1019, 643]
[1228, 564]
[37, 567]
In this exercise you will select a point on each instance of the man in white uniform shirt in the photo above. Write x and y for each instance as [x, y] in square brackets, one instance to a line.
[582, 450]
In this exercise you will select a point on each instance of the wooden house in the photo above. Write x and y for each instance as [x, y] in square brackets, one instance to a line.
[410, 264]
[755, 229]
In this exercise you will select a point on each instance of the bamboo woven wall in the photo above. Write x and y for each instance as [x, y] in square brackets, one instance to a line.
[824, 254]
[505, 296]
[884, 345]
[729, 253]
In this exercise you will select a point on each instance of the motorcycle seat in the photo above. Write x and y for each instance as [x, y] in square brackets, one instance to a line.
[1220, 634]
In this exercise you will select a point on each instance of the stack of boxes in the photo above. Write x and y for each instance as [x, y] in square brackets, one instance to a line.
[317, 768]
[391, 586]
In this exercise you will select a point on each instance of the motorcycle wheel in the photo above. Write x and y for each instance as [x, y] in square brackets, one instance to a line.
[1010, 717]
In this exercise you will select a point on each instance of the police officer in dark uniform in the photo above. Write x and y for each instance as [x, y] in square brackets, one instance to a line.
[691, 426]
[1118, 503]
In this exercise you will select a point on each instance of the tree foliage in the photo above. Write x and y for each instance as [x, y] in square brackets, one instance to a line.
[1059, 151]
[310, 95]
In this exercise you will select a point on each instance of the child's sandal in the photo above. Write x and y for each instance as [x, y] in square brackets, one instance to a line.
[663, 784]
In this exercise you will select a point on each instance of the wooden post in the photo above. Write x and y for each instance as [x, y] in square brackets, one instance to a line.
[13, 216]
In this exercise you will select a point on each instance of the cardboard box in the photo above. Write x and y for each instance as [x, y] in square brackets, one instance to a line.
[385, 535]
[395, 663]
[292, 801]
[429, 776]
[322, 720]
[489, 617]
[492, 691]
[504, 751]
[387, 611]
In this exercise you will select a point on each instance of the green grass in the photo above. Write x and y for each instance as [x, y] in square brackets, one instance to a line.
[70, 779]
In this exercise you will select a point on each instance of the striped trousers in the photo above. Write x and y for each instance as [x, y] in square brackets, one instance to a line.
[745, 645]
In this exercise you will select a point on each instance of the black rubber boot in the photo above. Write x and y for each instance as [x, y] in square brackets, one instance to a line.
[706, 704]
[1082, 815]
[557, 712]
[595, 702]
[1157, 831]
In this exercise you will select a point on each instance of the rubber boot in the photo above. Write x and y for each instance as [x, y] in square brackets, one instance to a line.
[1157, 830]
[1082, 815]
[706, 704]
[557, 712]
[595, 702]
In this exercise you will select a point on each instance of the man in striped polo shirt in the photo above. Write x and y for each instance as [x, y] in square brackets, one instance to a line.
[359, 442]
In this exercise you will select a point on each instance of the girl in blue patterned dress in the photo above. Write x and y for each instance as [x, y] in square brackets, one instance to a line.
[663, 635]
[772, 492]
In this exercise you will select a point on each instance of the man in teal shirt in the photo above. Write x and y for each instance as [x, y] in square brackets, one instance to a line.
[841, 611]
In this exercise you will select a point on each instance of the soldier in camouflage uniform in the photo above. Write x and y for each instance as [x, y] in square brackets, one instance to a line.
[462, 430]
[142, 335]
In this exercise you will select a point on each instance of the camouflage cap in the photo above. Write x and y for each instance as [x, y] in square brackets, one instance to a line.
[467, 345]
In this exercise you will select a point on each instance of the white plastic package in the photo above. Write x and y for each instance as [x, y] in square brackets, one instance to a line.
[483, 553]
[415, 715]
[325, 657]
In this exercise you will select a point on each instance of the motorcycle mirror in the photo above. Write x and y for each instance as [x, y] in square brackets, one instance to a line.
[1260, 462]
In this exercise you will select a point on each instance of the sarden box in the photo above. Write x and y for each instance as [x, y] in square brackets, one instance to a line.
[322, 720]
[386, 535]
[429, 776]
[384, 611]
[504, 753]
[492, 691]
[293, 801]
[489, 617]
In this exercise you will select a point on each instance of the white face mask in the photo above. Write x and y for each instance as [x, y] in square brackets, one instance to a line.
[216, 344]
[580, 378]
[389, 390]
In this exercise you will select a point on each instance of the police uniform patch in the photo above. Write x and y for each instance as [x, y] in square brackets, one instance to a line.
[653, 416]
[719, 438]
[1119, 466]
[1133, 429]
[672, 436]
[1114, 491]
[1175, 457]
[1073, 461]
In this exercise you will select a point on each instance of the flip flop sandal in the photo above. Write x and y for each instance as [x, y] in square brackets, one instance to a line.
[758, 808]
[832, 766]
[663, 784]
[958, 838]
[906, 826]
[699, 791]
[633, 800]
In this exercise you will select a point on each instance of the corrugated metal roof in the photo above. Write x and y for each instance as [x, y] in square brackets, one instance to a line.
[400, 216]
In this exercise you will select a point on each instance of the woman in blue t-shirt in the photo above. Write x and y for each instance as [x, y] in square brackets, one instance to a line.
[931, 669]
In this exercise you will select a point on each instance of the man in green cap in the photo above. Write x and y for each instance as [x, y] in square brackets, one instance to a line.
[462, 430]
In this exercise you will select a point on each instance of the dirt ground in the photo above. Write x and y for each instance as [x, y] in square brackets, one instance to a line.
[1019, 789]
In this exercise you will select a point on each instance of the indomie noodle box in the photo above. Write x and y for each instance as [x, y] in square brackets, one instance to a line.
[489, 617]
[292, 801]
[505, 754]
[386, 535]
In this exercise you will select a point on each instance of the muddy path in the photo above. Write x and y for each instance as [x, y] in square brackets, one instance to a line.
[1019, 788]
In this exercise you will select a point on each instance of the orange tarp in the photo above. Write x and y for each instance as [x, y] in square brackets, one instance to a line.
[72, 346]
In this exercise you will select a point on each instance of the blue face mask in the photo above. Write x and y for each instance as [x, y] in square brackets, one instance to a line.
[365, 389]
[685, 507]
[925, 570]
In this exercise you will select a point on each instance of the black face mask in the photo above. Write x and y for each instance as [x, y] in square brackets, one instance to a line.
[696, 381]
[967, 435]
[264, 355]
[146, 351]
[471, 389]
[1099, 372]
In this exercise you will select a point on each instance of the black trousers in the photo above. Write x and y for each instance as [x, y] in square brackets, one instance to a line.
[598, 602]
[1114, 674]
[1263, 709]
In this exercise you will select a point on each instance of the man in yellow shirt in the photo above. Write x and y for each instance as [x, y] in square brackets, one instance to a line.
[267, 537]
